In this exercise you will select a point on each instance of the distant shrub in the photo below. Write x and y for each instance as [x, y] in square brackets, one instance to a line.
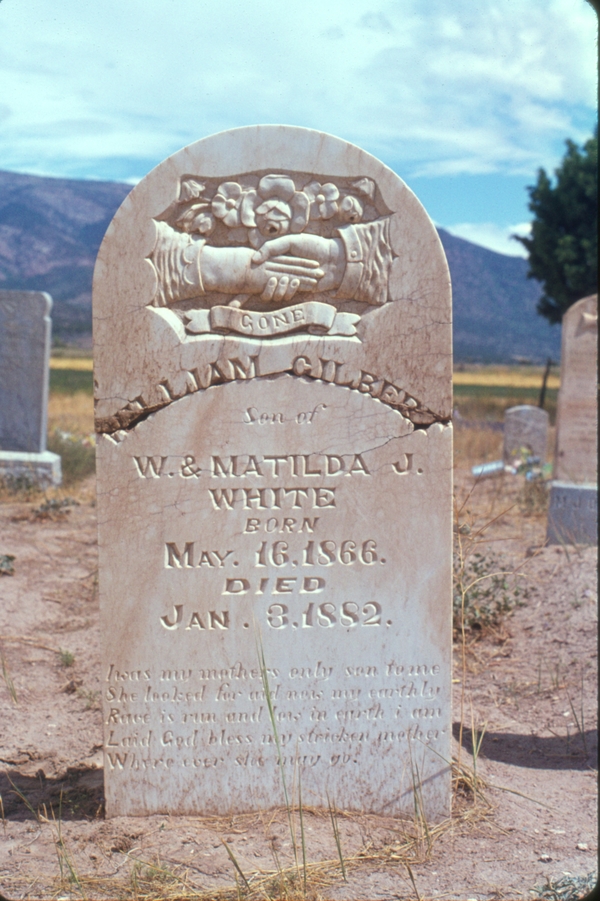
[490, 593]
[19, 488]
[78, 455]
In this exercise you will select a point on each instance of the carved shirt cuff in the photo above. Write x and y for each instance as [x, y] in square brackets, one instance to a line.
[176, 259]
[368, 262]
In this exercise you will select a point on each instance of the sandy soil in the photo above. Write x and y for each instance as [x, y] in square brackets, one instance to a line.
[531, 683]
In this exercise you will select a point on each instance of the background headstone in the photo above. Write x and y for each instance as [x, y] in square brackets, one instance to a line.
[573, 512]
[25, 330]
[525, 427]
[272, 331]
[576, 458]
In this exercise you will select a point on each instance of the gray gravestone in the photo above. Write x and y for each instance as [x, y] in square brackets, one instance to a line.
[25, 328]
[573, 514]
[525, 428]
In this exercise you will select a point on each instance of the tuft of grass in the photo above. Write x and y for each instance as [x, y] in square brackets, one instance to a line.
[476, 742]
[302, 836]
[22, 488]
[25, 801]
[54, 508]
[567, 888]
[65, 864]
[269, 702]
[412, 879]
[67, 658]
[8, 679]
[336, 835]
[78, 455]
[7, 567]
[420, 818]
[90, 697]
[579, 720]
[238, 869]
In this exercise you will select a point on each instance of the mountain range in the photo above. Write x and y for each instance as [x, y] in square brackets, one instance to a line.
[51, 229]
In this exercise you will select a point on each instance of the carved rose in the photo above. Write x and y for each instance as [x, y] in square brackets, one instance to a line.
[274, 209]
[227, 202]
[322, 199]
[280, 187]
[196, 219]
[351, 209]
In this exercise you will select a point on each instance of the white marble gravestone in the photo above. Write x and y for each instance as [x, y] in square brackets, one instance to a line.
[272, 333]
[25, 328]
[525, 428]
[573, 512]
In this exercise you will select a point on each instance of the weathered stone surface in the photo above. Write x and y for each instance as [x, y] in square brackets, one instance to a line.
[43, 469]
[25, 327]
[525, 427]
[576, 457]
[573, 514]
[273, 366]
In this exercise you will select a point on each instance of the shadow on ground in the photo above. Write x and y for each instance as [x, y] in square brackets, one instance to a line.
[77, 794]
[553, 752]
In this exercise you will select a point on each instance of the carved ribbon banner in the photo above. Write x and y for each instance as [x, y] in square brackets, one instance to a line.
[321, 316]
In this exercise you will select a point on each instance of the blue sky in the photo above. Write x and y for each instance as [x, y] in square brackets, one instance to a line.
[465, 99]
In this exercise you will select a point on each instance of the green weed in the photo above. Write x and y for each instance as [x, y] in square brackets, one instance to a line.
[90, 697]
[67, 658]
[78, 455]
[8, 679]
[7, 567]
[484, 592]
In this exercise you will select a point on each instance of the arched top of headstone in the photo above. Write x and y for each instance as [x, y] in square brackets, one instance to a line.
[259, 242]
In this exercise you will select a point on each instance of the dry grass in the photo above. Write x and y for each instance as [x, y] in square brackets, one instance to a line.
[81, 364]
[401, 843]
[505, 376]
[71, 413]
[485, 393]
[476, 445]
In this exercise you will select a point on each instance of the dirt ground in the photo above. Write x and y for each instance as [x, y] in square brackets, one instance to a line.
[530, 685]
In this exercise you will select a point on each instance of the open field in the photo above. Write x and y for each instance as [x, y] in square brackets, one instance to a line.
[480, 392]
[524, 815]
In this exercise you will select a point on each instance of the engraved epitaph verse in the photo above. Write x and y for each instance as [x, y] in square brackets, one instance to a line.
[287, 531]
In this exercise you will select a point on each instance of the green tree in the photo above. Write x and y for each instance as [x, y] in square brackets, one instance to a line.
[563, 245]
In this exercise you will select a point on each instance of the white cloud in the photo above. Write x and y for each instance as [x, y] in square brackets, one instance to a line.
[433, 88]
[493, 236]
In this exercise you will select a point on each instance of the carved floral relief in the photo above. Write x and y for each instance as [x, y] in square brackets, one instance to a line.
[268, 254]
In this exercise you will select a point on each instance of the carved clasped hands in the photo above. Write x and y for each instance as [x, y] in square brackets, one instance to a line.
[233, 270]
[324, 256]
[280, 277]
